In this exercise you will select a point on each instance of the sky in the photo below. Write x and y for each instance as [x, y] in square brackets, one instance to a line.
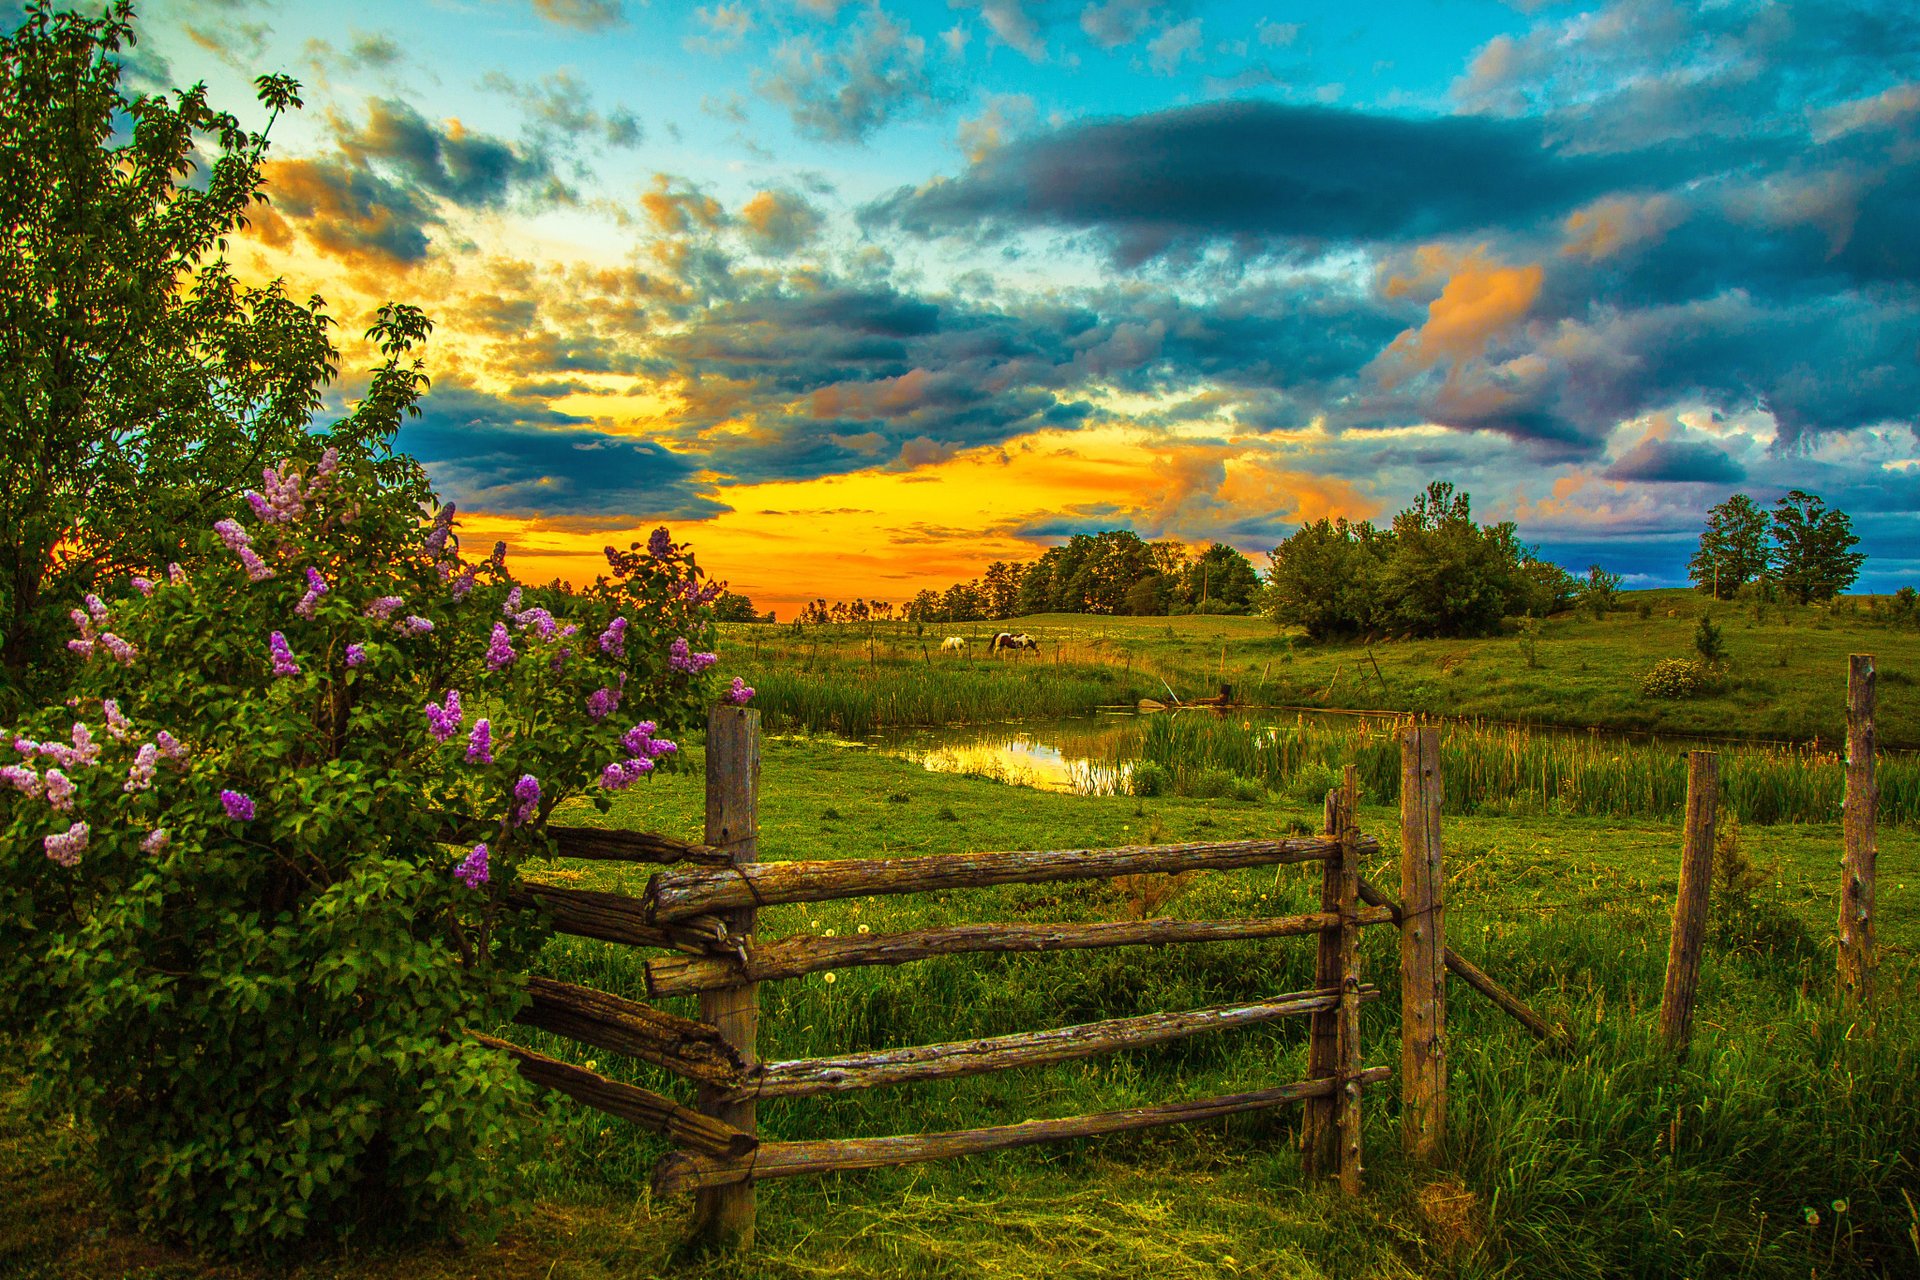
[858, 296]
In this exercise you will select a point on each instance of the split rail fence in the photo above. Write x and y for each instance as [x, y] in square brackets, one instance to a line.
[702, 910]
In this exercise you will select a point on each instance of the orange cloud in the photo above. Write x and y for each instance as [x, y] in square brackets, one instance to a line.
[1480, 300]
[1605, 227]
[675, 207]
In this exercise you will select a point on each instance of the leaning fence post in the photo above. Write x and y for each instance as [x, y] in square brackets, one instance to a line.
[723, 1216]
[1318, 1131]
[1690, 905]
[1863, 797]
[1423, 942]
[1347, 1097]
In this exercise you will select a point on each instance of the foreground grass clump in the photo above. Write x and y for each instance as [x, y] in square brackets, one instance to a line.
[1569, 1166]
[1495, 769]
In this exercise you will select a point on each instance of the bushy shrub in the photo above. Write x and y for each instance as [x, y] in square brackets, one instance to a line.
[1148, 778]
[254, 877]
[1312, 782]
[1676, 678]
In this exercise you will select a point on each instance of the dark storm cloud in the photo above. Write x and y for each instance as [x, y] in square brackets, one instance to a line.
[350, 211]
[507, 457]
[458, 165]
[1676, 462]
[1261, 175]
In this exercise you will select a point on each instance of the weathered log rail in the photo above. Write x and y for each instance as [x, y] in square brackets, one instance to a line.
[702, 911]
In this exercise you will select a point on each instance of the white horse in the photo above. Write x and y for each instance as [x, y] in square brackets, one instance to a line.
[953, 644]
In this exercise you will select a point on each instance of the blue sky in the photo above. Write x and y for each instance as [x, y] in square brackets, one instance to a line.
[860, 296]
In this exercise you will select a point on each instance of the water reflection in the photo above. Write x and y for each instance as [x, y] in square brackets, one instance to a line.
[1072, 756]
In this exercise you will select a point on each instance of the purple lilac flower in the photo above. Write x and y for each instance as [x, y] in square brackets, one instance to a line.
[499, 557]
[239, 807]
[123, 653]
[463, 585]
[437, 536]
[500, 650]
[614, 639]
[316, 587]
[603, 702]
[740, 694]
[356, 655]
[539, 619]
[444, 722]
[232, 535]
[97, 607]
[257, 569]
[328, 464]
[527, 792]
[176, 576]
[156, 840]
[140, 775]
[67, 847]
[143, 585]
[569, 629]
[283, 663]
[512, 605]
[382, 609]
[480, 742]
[472, 870]
[623, 774]
[638, 739]
[660, 545]
[170, 747]
[413, 625]
[283, 502]
[21, 778]
[84, 750]
[119, 728]
[681, 659]
[559, 660]
[59, 789]
[82, 647]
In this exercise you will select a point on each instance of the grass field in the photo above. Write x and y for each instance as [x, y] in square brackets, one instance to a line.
[1785, 675]
[1784, 1147]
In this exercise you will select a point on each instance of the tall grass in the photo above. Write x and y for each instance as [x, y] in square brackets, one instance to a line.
[1509, 770]
[857, 700]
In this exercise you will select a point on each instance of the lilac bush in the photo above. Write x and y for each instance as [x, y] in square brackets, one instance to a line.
[237, 923]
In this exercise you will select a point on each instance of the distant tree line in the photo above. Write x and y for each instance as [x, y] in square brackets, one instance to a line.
[1802, 550]
[1111, 572]
[1433, 572]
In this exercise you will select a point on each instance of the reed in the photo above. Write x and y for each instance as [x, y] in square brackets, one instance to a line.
[855, 700]
[1498, 769]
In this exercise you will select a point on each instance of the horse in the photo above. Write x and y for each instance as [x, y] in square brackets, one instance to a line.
[953, 644]
[1006, 640]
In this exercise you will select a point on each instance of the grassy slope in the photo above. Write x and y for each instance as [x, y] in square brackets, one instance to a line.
[1788, 675]
[1608, 1164]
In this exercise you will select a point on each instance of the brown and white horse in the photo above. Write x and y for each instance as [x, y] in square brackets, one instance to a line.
[1006, 640]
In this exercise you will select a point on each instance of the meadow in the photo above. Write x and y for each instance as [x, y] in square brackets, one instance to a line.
[1784, 1145]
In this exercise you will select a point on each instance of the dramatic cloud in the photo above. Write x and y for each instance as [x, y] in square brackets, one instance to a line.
[779, 222]
[876, 74]
[346, 210]
[448, 160]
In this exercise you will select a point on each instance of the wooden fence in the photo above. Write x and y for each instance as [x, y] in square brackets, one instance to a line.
[701, 911]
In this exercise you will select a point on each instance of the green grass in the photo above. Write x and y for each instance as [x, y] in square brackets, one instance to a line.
[1493, 769]
[1609, 1162]
[1785, 679]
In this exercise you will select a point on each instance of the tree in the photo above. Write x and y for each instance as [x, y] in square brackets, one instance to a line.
[1221, 579]
[140, 383]
[1446, 575]
[1326, 578]
[1813, 557]
[731, 606]
[1600, 592]
[1733, 548]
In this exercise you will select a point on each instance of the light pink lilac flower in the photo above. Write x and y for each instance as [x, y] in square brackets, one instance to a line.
[156, 840]
[170, 747]
[232, 534]
[356, 654]
[67, 847]
[444, 721]
[382, 609]
[316, 587]
[257, 569]
[527, 792]
[176, 576]
[119, 728]
[614, 639]
[324, 469]
[283, 502]
[283, 663]
[59, 790]
[238, 805]
[472, 870]
[121, 652]
[21, 778]
[97, 607]
[143, 585]
[140, 774]
[740, 694]
[480, 742]
[500, 649]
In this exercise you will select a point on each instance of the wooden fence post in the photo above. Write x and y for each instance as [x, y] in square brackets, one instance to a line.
[1690, 904]
[1863, 798]
[724, 1216]
[1423, 941]
[1318, 1131]
[1347, 1097]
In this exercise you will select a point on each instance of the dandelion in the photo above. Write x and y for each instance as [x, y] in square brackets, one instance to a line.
[740, 694]
[614, 639]
[833, 933]
[500, 652]
[283, 663]
[865, 929]
[480, 742]
[444, 721]
[67, 847]
[472, 870]
[356, 655]
[238, 805]
[156, 841]
[829, 976]
[59, 790]
[527, 792]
